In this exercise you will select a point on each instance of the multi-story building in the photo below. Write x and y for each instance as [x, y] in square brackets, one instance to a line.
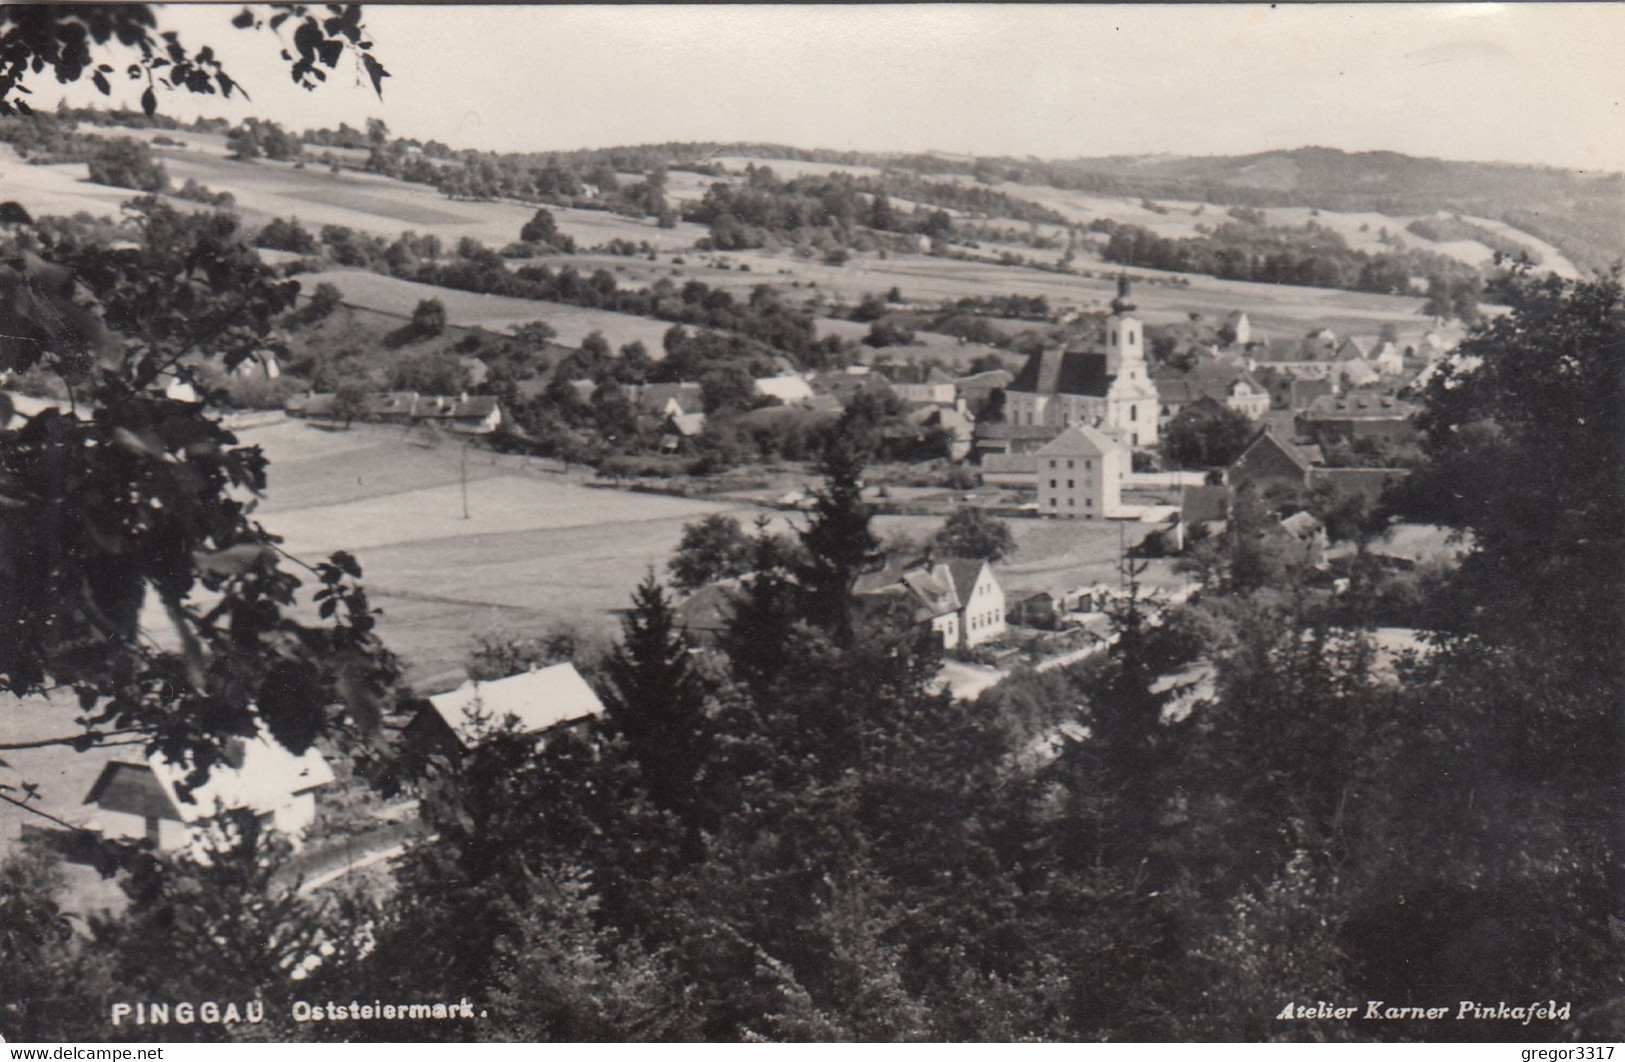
[1080, 474]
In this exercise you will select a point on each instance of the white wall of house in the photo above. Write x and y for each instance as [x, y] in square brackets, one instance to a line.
[947, 625]
[1080, 488]
[983, 614]
[121, 825]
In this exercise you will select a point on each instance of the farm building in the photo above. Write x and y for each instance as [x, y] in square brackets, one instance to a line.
[145, 800]
[1358, 415]
[538, 700]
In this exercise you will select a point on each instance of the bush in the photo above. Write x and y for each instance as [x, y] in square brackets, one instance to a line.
[280, 235]
[126, 163]
[429, 318]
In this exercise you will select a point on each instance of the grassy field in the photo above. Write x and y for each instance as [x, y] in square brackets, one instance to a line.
[497, 313]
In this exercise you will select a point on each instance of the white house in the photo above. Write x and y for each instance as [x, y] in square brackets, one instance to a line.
[143, 800]
[981, 600]
[539, 699]
[1080, 474]
[788, 389]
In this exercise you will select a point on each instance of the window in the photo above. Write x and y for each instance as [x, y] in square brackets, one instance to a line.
[1069, 462]
[1053, 503]
[154, 834]
[1087, 465]
[1069, 484]
[1088, 503]
[1070, 502]
[1052, 484]
[1133, 412]
[1052, 463]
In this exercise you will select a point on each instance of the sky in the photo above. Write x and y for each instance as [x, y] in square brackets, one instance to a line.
[1527, 83]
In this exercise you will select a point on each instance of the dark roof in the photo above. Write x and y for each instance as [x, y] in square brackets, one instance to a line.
[653, 397]
[133, 789]
[1063, 372]
[1359, 405]
[1370, 482]
[965, 571]
[1001, 430]
[711, 608]
[1302, 391]
[843, 385]
[989, 379]
[1268, 437]
[931, 587]
[1199, 505]
[1205, 380]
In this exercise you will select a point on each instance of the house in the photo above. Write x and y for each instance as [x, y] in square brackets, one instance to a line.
[1239, 328]
[1310, 535]
[1271, 460]
[707, 613]
[1388, 359]
[789, 389]
[1098, 388]
[679, 429]
[667, 399]
[1233, 388]
[925, 587]
[977, 389]
[1203, 511]
[843, 386]
[957, 424]
[923, 385]
[538, 700]
[1358, 415]
[1302, 393]
[148, 800]
[465, 414]
[981, 600]
[1039, 609]
[1080, 474]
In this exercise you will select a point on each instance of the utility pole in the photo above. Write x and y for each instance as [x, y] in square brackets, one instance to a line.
[464, 478]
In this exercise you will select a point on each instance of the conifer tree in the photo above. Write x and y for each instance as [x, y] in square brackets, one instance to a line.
[657, 701]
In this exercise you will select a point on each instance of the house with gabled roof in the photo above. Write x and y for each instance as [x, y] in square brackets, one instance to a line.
[1358, 415]
[1080, 474]
[537, 701]
[981, 600]
[925, 587]
[151, 800]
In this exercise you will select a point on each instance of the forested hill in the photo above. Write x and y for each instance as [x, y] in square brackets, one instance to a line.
[1583, 213]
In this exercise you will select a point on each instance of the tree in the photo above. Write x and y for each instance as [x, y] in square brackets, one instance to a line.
[429, 318]
[728, 387]
[839, 542]
[970, 532]
[66, 40]
[349, 402]
[1206, 434]
[128, 163]
[712, 548]
[1521, 435]
[433, 372]
[657, 702]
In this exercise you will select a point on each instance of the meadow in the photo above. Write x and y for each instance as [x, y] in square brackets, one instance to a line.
[497, 313]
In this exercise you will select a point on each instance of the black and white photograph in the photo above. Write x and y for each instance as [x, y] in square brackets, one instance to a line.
[946, 523]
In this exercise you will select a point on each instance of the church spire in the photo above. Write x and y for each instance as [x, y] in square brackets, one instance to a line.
[1121, 304]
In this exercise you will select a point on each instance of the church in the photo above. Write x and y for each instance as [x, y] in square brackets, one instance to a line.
[1108, 389]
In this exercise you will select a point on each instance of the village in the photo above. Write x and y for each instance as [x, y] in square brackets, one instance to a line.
[639, 580]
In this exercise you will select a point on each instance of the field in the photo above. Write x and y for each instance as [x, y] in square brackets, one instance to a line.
[496, 313]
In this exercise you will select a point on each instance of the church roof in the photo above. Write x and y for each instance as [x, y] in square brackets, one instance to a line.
[1064, 372]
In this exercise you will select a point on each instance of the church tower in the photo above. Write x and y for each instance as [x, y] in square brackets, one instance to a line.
[1131, 401]
[1125, 335]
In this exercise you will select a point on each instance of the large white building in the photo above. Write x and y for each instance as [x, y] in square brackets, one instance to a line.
[1080, 474]
[1102, 388]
